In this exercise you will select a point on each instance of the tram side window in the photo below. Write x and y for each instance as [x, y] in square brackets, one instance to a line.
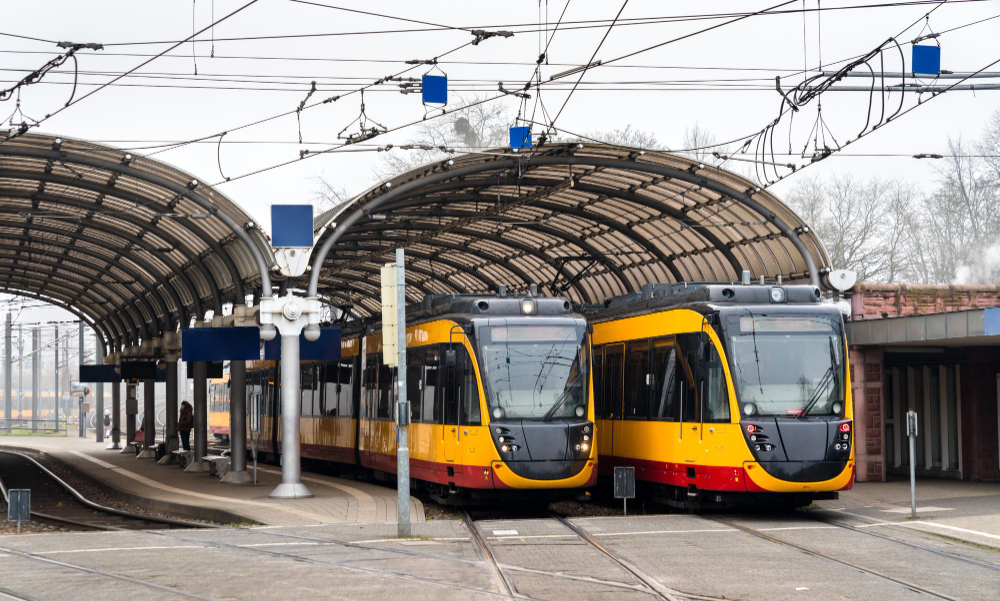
[598, 379]
[368, 386]
[691, 405]
[468, 390]
[306, 390]
[667, 382]
[345, 386]
[613, 355]
[414, 381]
[716, 392]
[432, 369]
[637, 380]
[385, 375]
[328, 384]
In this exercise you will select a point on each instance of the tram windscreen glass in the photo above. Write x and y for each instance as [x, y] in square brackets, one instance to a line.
[535, 371]
[786, 365]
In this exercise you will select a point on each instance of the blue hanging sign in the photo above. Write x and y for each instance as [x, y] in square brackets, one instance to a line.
[99, 373]
[520, 137]
[434, 89]
[220, 344]
[926, 60]
[327, 348]
[291, 226]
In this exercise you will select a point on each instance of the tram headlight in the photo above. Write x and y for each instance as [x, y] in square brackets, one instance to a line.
[528, 307]
[580, 411]
[584, 446]
[837, 407]
[749, 409]
[586, 429]
[505, 448]
[778, 295]
[585, 437]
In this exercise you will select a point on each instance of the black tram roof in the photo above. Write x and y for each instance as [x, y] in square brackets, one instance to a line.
[703, 297]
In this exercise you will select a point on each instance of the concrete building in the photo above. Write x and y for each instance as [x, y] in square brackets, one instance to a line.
[934, 350]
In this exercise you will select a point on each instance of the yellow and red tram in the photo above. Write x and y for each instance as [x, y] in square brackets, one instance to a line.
[500, 396]
[724, 393]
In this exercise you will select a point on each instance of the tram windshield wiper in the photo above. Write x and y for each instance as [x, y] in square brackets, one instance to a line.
[825, 381]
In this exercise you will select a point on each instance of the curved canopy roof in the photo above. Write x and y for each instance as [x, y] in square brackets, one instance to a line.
[587, 222]
[128, 242]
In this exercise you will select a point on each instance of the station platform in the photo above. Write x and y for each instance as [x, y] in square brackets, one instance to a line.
[967, 511]
[167, 488]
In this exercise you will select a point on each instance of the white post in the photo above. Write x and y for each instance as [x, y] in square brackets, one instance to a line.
[403, 406]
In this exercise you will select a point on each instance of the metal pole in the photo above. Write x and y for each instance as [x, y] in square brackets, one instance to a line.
[403, 414]
[56, 373]
[149, 420]
[200, 427]
[238, 424]
[83, 398]
[911, 428]
[131, 409]
[291, 486]
[36, 344]
[116, 415]
[20, 377]
[7, 384]
[99, 394]
[171, 411]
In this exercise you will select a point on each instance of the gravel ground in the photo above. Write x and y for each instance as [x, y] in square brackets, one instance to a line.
[26, 527]
[91, 492]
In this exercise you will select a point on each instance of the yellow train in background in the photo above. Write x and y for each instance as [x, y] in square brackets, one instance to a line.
[724, 393]
[500, 396]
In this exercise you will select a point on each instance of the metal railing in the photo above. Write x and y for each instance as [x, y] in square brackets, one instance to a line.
[34, 427]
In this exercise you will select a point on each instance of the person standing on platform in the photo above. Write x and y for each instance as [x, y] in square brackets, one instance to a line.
[107, 424]
[184, 423]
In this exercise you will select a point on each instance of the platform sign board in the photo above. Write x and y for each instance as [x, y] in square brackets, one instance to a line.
[624, 485]
[215, 370]
[327, 348]
[292, 226]
[99, 373]
[142, 370]
[19, 506]
[220, 344]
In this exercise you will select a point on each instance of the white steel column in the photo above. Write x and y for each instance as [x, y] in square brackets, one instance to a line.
[170, 428]
[131, 410]
[403, 405]
[7, 380]
[98, 392]
[36, 345]
[238, 424]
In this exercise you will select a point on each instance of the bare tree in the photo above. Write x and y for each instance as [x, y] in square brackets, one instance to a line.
[628, 136]
[327, 195]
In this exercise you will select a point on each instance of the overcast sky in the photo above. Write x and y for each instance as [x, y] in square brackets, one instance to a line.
[135, 114]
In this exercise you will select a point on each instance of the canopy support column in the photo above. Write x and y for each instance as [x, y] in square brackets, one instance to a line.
[149, 420]
[200, 373]
[131, 410]
[116, 416]
[238, 424]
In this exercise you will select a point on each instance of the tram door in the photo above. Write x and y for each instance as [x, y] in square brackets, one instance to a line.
[450, 430]
[614, 382]
[691, 404]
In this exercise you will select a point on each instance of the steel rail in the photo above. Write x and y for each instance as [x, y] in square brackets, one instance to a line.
[484, 550]
[820, 554]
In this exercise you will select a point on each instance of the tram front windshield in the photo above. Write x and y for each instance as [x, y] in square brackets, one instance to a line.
[534, 371]
[788, 365]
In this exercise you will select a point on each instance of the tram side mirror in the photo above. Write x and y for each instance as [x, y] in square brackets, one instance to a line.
[450, 358]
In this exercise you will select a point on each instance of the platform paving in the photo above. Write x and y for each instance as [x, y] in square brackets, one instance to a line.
[336, 501]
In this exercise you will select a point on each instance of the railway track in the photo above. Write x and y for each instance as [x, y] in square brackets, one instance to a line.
[54, 501]
[648, 584]
[817, 553]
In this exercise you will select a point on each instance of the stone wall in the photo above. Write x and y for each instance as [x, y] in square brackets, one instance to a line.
[867, 396]
[877, 301]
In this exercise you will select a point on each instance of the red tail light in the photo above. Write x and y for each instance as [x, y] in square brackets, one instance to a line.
[751, 428]
[845, 427]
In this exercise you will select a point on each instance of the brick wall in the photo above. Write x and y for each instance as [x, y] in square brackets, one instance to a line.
[867, 396]
[875, 301]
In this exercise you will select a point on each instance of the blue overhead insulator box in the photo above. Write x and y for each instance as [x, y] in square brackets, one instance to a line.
[926, 60]
[520, 137]
[435, 89]
[291, 226]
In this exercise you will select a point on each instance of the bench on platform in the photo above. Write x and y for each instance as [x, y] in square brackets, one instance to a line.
[183, 457]
[217, 465]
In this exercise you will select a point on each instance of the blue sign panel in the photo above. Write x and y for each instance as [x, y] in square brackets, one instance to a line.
[520, 137]
[991, 317]
[292, 226]
[927, 60]
[214, 370]
[327, 348]
[220, 344]
[435, 89]
[99, 373]
[142, 370]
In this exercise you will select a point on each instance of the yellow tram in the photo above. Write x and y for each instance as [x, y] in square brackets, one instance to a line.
[724, 393]
[500, 396]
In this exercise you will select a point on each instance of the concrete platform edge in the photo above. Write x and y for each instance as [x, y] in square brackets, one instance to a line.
[209, 514]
